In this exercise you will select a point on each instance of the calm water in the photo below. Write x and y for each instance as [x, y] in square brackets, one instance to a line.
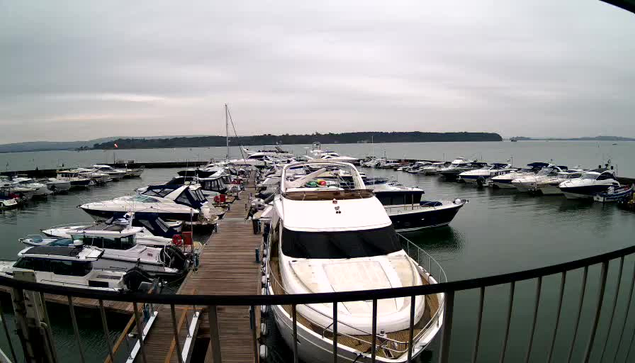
[498, 231]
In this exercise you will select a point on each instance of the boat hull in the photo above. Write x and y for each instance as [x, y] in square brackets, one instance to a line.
[106, 214]
[423, 217]
[503, 184]
[584, 192]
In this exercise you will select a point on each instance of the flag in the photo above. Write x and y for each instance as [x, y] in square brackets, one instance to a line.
[116, 146]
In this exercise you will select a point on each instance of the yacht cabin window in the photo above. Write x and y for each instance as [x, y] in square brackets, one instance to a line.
[336, 245]
[58, 267]
[106, 242]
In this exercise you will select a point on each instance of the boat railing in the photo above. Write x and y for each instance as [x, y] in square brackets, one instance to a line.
[596, 294]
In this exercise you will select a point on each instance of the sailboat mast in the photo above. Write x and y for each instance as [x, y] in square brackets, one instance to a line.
[227, 130]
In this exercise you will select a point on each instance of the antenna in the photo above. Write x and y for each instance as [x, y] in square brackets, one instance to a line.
[227, 131]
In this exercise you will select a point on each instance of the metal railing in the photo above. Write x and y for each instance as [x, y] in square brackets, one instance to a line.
[448, 289]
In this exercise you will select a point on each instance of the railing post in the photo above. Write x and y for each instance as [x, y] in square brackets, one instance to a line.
[335, 332]
[533, 323]
[577, 319]
[175, 329]
[411, 326]
[8, 335]
[628, 308]
[598, 311]
[373, 351]
[448, 312]
[139, 331]
[104, 324]
[479, 323]
[512, 287]
[71, 307]
[214, 333]
[617, 295]
[555, 329]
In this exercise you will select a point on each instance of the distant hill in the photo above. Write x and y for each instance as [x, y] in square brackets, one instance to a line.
[50, 145]
[595, 138]
[286, 139]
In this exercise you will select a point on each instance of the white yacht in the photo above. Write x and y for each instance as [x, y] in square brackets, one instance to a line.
[39, 189]
[142, 235]
[56, 185]
[121, 251]
[528, 182]
[549, 185]
[97, 176]
[505, 181]
[65, 266]
[591, 183]
[433, 169]
[115, 174]
[458, 166]
[319, 154]
[330, 237]
[77, 179]
[482, 176]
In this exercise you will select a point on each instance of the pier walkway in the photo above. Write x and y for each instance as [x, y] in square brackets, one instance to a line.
[227, 266]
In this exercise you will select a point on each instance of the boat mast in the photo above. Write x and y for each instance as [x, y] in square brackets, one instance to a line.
[227, 130]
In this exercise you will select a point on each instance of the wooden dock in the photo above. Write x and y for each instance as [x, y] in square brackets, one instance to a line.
[227, 266]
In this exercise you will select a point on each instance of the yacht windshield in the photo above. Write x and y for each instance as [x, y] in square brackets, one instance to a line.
[349, 244]
[590, 176]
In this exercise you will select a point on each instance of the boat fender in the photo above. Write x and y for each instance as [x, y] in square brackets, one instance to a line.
[263, 291]
[263, 351]
[264, 309]
[177, 240]
[263, 329]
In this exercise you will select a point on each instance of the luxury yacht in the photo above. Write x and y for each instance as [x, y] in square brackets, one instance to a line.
[591, 183]
[326, 155]
[98, 177]
[505, 181]
[71, 266]
[327, 236]
[482, 176]
[528, 182]
[433, 169]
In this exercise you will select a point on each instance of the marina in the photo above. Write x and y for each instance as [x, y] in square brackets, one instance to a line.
[468, 238]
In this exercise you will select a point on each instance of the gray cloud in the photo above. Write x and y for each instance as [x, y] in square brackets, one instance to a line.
[78, 70]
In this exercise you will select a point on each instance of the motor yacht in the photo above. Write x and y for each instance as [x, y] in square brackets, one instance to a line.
[121, 251]
[96, 176]
[56, 185]
[482, 176]
[417, 167]
[434, 168]
[459, 166]
[154, 232]
[326, 155]
[164, 205]
[115, 174]
[327, 236]
[70, 266]
[591, 183]
[77, 179]
[505, 181]
[549, 185]
[528, 182]
[39, 190]
[409, 213]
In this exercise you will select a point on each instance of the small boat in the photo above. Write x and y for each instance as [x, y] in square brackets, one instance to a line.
[121, 251]
[591, 183]
[613, 194]
[8, 202]
[134, 172]
[71, 266]
[97, 177]
[434, 168]
[459, 166]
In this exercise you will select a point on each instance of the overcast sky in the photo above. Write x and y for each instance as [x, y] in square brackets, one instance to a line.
[79, 70]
